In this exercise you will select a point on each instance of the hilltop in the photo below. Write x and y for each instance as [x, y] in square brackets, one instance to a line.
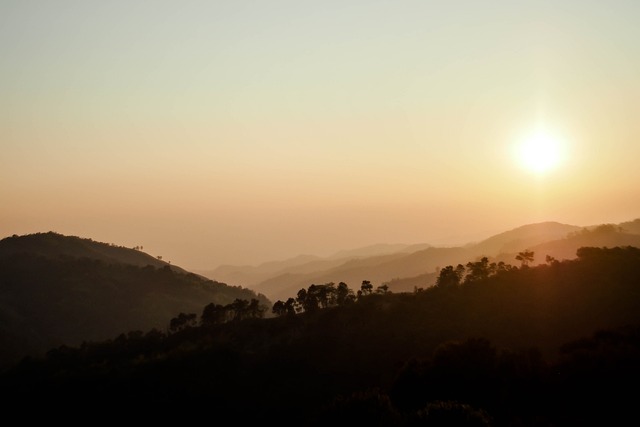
[57, 289]
[54, 245]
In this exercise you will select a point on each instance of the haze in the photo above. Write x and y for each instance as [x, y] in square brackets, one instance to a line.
[247, 131]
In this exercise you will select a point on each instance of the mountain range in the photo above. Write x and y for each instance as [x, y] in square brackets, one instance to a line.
[406, 267]
[555, 344]
[65, 290]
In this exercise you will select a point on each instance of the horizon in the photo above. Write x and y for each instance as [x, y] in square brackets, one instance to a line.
[335, 253]
[244, 132]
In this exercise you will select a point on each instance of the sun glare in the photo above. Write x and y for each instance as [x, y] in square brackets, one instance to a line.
[540, 152]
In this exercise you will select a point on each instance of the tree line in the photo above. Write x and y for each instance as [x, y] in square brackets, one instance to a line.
[327, 295]
[465, 352]
[216, 314]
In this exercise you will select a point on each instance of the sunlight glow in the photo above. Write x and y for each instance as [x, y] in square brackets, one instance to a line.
[540, 152]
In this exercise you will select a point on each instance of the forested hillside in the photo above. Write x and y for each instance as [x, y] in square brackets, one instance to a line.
[489, 344]
[57, 290]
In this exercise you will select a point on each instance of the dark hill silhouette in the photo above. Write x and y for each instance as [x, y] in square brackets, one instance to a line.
[55, 245]
[57, 289]
[550, 345]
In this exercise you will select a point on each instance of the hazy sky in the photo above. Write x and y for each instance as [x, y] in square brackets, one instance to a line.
[214, 132]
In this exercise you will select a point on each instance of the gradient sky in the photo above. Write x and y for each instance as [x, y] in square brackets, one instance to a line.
[214, 132]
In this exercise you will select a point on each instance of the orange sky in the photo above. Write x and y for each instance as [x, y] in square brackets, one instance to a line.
[242, 132]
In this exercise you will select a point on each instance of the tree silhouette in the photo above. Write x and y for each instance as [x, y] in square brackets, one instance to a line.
[326, 294]
[278, 308]
[213, 314]
[344, 295]
[478, 270]
[284, 308]
[382, 289]
[182, 321]
[307, 299]
[301, 298]
[240, 309]
[290, 306]
[449, 276]
[366, 287]
[525, 257]
[255, 310]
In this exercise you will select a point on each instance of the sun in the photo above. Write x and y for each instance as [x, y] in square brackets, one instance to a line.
[540, 152]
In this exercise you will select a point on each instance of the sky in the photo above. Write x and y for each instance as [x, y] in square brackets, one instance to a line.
[239, 132]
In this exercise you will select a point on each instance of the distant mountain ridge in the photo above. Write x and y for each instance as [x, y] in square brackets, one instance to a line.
[302, 264]
[605, 235]
[378, 249]
[522, 237]
[404, 267]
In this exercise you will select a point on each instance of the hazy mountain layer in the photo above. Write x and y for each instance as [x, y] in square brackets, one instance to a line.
[251, 276]
[403, 270]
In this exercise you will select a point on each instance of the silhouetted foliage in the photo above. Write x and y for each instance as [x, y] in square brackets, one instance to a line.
[215, 314]
[344, 295]
[307, 300]
[550, 345]
[182, 321]
[316, 297]
[382, 289]
[449, 276]
[525, 257]
[366, 287]
[239, 309]
[478, 270]
[278, 308]
[284, 308]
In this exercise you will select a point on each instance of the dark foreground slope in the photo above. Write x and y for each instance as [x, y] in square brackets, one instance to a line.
[57, 290]
[552, 345]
